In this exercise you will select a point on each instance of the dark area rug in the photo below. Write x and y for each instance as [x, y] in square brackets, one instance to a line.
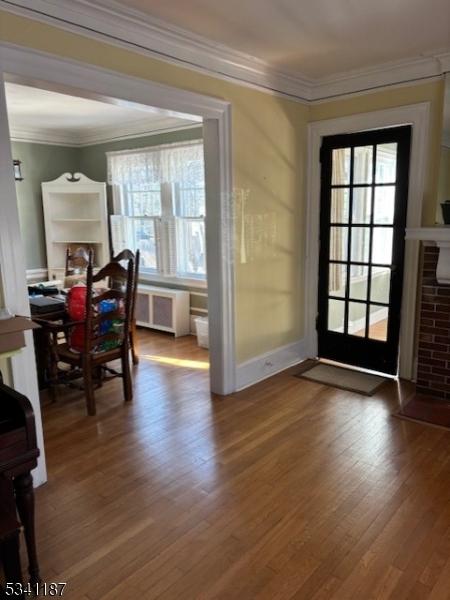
[428, 410]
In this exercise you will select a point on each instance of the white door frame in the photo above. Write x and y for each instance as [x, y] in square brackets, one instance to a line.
[417, 115]
[67, 76]
[14, 286]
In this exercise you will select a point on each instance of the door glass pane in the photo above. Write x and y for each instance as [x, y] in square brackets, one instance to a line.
[378, 321]
[336, 315]
[362, 164]
[338, 243]
[386, 167]
[359, 276]
[360, 244]
[382, 245]
[384, 205]
[380, 284]
[362, 200]
[339, 205]
[357, 318]
[337, 279]
[340, 167]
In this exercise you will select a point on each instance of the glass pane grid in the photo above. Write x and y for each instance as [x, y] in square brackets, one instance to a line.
[361, 241]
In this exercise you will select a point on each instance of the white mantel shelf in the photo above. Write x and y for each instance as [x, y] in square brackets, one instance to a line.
[437, 234]
[440, 236]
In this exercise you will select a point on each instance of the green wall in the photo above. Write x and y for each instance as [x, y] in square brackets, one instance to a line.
[40, 162]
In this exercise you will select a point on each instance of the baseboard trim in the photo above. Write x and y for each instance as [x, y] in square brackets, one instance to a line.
[37, 275]
[265, 365]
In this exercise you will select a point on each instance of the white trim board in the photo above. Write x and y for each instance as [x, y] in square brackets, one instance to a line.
[14, 286]
[261, 367]
[127, 28]
[417, 115]
[36, 275]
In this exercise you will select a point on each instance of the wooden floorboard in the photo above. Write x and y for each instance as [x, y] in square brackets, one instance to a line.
[289, 489]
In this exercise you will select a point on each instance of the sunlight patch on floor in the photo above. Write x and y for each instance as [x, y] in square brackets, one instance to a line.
[177, 362]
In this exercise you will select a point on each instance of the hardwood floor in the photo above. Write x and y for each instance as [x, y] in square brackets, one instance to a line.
[286, 490]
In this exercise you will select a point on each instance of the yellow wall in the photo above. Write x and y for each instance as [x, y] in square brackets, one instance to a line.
[269, 163]
[429, 92]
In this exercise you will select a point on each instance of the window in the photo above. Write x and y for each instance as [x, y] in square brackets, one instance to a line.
[159, 201]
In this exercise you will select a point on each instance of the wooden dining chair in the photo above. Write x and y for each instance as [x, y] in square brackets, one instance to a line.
[121, 257]
[106, 334]
[77, 262]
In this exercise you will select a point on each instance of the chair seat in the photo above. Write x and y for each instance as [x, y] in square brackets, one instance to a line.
[67, 354]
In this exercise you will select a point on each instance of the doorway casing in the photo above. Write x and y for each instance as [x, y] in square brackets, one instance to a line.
[416, 115]
[50, 72]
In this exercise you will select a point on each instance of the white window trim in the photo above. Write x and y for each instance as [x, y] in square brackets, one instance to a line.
[417, 115]
[186, 281]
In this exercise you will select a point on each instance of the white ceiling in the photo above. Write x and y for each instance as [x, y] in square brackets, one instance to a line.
[43, 115]
[313, 38]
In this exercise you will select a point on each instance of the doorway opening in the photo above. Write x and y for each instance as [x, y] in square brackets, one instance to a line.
[23, 66]
[98, 178]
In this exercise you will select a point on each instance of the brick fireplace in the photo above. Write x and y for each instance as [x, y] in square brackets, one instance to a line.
[433, 365]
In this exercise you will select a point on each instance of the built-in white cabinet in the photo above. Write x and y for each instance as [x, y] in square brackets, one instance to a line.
[75, 214]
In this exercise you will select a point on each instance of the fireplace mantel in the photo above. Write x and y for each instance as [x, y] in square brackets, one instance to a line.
[439, 236]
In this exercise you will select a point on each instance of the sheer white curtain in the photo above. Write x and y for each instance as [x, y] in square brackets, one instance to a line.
[169, 163]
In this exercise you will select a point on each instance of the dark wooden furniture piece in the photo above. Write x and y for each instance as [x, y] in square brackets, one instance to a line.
[42, 343]
[99, 347]
[18, 456]
[126, 255]
[9, 534]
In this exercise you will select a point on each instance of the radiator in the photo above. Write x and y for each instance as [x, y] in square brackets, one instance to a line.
[163, 308]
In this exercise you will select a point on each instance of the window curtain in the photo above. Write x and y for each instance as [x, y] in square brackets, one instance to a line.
[168, 163]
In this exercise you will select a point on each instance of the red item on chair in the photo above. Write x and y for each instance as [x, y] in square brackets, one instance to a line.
[76, 308]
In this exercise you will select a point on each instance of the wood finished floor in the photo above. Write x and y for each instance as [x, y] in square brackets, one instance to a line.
[286, 490]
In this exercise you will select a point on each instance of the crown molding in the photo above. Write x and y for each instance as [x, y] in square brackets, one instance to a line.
[395, 73]
[134, 30]
[100, 135]
[444, 60]
[40, 135]
[110, 21]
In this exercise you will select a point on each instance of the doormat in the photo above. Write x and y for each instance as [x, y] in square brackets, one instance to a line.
[425, 410]
[343, 379]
